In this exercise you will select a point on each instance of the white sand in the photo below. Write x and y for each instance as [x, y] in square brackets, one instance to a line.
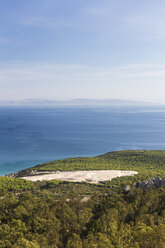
[93, 176]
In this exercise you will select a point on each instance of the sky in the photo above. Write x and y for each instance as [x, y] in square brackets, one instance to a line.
[64, 49]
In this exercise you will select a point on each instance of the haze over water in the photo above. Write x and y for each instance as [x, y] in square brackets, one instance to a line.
[30, 136]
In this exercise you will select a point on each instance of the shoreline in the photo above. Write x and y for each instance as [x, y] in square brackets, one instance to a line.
[91, 176]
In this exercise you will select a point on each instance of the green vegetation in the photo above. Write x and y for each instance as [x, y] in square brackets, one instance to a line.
[111, 220]
[147, 163]
[11, 184]
[56, 214]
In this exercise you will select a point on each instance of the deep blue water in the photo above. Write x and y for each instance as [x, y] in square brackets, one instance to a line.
[29, 136]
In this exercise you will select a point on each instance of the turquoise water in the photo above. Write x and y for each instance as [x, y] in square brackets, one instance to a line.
[30, 136]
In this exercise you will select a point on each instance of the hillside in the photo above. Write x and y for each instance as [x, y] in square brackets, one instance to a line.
[147, 163]
[55, 214]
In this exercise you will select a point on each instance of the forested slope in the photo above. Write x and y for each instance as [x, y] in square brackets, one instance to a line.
[111, 220]
[54, 214]
[147, 163]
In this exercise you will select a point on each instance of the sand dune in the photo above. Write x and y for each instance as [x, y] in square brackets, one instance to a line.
[93, 176]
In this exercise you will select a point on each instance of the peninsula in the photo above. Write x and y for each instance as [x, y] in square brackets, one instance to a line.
[138, 163]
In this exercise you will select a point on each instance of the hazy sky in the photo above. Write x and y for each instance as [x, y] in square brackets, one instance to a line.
[62, 49]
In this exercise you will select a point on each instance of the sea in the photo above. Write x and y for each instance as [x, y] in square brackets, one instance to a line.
[34, 135]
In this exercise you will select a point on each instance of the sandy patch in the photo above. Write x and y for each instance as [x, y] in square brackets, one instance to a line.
[93, 176]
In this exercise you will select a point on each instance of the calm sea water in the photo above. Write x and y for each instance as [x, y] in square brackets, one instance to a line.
[29, 136]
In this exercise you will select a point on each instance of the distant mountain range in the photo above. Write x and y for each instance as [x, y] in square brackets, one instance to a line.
[73, 102]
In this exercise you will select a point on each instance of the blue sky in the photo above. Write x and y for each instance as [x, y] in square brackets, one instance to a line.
[63, 49]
